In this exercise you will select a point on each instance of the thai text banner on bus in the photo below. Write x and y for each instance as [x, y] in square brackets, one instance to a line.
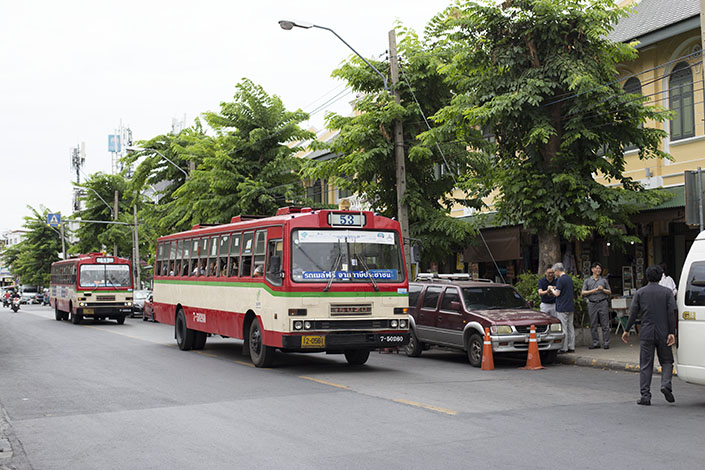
[343, 236]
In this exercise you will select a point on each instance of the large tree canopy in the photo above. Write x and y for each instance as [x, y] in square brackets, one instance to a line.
[365, 145]
[540, 75]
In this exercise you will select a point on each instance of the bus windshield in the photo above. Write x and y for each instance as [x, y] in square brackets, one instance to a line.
[346, 256]
[104, 275]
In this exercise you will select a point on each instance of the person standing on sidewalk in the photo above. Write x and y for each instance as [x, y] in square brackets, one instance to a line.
[598, 292]
[658, 328]
[565, 306]
[548, 301]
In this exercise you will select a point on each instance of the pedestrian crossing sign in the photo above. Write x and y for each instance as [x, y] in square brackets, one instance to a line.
[54, 220]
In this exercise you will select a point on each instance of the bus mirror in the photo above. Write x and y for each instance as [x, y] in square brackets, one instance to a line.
[275, 263]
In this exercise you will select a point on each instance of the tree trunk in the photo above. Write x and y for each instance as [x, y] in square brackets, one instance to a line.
[549, 250]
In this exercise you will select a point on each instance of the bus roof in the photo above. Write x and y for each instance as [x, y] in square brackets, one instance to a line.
[92, 257]
[293, 216]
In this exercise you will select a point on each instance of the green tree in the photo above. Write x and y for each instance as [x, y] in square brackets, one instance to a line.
[31, 258]
[540, 75]
[98, 195]
[365, 145]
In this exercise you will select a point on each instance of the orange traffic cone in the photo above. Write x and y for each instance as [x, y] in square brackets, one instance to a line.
[533, 360]
[487, 359]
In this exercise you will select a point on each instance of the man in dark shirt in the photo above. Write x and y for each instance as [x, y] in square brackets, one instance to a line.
[658, 328]
[565, 306]
[597, 290]
[548, 301]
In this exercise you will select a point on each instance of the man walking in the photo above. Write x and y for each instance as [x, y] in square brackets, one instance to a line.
[564, 305]
[597, 291]
[548, 301]
[658, 327]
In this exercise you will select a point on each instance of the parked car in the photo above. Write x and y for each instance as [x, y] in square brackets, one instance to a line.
[453, 311]
[138, 302]
[148, 309]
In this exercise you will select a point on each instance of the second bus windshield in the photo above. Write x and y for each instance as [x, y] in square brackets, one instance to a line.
[346, 256]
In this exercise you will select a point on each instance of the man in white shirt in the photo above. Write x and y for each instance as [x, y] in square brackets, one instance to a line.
[667, 281]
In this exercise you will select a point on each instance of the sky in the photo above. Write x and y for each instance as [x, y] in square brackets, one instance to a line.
[73, 71]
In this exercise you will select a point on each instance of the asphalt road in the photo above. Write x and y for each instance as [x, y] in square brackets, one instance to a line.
[108, 396]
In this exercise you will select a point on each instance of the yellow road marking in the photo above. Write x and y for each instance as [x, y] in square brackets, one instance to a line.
[112, 331]
[324, 382]
[203, 353]
[428, 407]
[243, 363]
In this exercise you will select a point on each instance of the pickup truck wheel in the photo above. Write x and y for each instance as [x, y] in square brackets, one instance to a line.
[415, 347]
[548, 357]
[474, 347]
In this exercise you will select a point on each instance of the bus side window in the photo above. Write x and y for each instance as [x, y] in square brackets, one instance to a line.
[179, 256]
[160, 258]
[234, 261]
[172, 258]
[186, 258]
[246, 258]
[213, 257]
[203, 261]
[193, 264]
[274, 261]
[223, 255]
[165, 260]
[260, 250]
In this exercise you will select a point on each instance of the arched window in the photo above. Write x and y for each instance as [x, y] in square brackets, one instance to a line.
[633, 87]
[680, 95]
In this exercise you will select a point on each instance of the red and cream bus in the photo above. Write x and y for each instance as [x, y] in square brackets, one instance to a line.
[93, 286]
[300, 281]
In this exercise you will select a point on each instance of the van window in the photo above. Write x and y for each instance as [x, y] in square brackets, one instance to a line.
[451, 295]
[414, 291]
[430, 300]
[695, 287]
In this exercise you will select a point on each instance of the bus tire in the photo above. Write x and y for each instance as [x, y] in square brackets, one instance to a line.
[184, 335]
[261, 355]
[356, 357]
[76, 319]
[120, 320]
[65, 316]
[58, 315]
[199, 340]
[415, 347]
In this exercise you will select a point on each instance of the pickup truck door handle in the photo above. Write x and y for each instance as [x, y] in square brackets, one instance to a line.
[440, 317]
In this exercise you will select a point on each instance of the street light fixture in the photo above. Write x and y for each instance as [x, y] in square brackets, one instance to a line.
[288, 25]
[140, 149]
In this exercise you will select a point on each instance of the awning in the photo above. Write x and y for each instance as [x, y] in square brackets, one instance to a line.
[502, 242]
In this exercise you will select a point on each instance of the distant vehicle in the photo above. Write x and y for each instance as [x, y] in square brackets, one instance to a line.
[691, 315]
[300, 281]
[148, 309]
[45, 300]
[138, 302]
[15, 304]
[453, 311]
[91, 286]
[29, 294]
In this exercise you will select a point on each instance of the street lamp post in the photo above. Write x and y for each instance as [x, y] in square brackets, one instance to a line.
[399, 154]
[140, 149]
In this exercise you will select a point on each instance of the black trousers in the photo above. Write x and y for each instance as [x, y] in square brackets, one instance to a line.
[646, 365]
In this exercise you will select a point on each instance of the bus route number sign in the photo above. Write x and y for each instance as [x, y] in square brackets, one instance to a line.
[106, 259]
[346, 220]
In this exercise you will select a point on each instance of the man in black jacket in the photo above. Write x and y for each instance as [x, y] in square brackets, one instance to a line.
[658, 328]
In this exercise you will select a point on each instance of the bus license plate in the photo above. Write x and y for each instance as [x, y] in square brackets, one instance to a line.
[88, 311]
[313, 341]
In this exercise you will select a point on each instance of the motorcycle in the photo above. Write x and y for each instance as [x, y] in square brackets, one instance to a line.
[15, 304]
[5, 301]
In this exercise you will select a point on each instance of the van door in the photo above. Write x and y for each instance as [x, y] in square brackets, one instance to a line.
[450, 320]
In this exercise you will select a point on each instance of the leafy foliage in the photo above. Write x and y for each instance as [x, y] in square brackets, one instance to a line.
[365, 145]
[540, 75]
[527, 285]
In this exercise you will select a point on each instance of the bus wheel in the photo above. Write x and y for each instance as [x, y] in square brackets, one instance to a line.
[184, 335]
[120, 320]
[76, 319]
[357, 357]
[261, 355]
[57, 314]
[199, 340]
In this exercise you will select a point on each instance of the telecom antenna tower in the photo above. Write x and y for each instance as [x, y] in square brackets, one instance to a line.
[78, 159]
[121, 139]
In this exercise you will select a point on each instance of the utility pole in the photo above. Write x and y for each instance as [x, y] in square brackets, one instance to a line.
[399, 155]
[115, 217]
[136, 259]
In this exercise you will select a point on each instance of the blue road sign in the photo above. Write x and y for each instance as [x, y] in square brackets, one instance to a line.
[54, 220]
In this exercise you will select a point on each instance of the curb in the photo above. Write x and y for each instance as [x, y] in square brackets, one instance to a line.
[585, 361]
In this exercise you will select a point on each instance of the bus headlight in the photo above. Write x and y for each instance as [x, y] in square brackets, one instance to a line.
[81, 304]
[394, 323]
[298, 325]
[556, 327]
[128, 304]
[402, 324]
[307, 325]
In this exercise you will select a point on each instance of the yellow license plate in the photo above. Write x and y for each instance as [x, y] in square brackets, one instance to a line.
[88, 311]
[313, 341]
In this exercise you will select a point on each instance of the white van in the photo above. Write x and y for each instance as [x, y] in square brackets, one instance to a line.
[691, 315]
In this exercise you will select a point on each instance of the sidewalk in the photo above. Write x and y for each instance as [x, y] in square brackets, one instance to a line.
[619, 356]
